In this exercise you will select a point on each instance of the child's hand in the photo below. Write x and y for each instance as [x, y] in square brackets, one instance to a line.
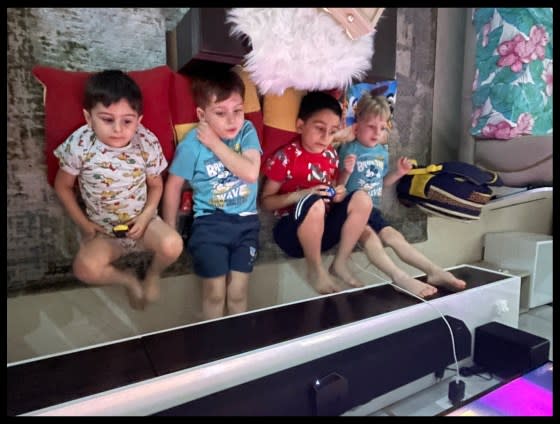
[321, 190]
[349, 163]
[403, 165]
[90, 230]
[345, 135]
[340, 193]
[207, 135]
[137, 226]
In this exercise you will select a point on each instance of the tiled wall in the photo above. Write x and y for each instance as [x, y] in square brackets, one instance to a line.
[41, 238]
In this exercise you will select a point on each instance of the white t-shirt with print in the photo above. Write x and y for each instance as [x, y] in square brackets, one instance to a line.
[112, 180]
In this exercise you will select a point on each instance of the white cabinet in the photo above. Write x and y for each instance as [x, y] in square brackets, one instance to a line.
[524, 251]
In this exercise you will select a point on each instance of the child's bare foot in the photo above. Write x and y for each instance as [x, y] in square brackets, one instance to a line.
[446, 279]
[343, 273]
[415, 286]
[151, 289]
[321, 281]
[135, 296]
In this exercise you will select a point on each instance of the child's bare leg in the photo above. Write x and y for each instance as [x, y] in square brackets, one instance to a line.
[376, 254]
[436, 275]
[237, 286]
[93, 265]
[359, 210]
[310, 233]
[167, 245]
[213, 297]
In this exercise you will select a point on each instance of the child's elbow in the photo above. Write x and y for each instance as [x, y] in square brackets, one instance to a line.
[252, 177]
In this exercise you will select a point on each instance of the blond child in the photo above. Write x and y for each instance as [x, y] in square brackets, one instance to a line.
[364, 167]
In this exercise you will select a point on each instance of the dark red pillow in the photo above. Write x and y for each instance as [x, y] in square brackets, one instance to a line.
[63, 98]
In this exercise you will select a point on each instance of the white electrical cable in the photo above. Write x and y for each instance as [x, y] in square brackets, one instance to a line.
[425, 301]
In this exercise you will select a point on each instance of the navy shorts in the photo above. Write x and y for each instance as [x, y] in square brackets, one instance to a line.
[222, 242]
[285, 230]
[376, 220]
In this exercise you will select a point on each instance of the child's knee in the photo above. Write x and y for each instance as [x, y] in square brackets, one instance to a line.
[368, 236]
[317, 209]
[238, 295]
[86, 270]
[390, 237]
[362, 201]
[315, 213]
[215, 296]
[171, 246]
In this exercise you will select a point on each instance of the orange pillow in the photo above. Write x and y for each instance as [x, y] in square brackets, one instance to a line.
[63, 98]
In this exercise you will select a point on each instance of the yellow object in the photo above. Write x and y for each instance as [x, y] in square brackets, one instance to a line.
[427, 170]
[418, 185]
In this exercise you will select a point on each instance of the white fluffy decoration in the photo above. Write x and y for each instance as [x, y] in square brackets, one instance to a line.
[303, 48]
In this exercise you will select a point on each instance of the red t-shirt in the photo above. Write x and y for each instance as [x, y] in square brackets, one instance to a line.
[298, 169]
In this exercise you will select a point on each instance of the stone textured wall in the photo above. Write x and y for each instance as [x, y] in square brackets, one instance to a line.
[412, 134]
[41, 239]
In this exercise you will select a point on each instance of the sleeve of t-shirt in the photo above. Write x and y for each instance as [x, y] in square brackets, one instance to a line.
[70, 152]
[276, 166]
[250, 138]
[156, 162]
[185, 157]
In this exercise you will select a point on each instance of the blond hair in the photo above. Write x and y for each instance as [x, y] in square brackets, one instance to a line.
[371, 105]
[368, 105]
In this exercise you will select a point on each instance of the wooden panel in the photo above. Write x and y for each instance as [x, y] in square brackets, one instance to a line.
[202, 38]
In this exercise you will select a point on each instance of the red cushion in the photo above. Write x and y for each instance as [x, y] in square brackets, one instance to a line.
[64, 93]
[256, 119]
[183, 108]
[275, 138]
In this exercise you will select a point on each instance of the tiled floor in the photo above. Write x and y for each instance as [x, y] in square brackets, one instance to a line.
[433, 400]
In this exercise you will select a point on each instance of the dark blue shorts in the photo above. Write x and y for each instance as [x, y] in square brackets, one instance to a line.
[376, 220]
[222, 242]
[285, 230]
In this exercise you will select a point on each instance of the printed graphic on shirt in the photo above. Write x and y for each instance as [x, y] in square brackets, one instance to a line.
[227, 189]
[369, 175]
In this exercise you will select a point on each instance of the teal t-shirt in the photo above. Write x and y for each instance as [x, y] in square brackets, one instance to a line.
[214, 186]
[372, 165]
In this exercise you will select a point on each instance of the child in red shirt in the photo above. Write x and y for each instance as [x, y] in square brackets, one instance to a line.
[314, 215]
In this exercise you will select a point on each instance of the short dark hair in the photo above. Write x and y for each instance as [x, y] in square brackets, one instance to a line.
[315, 101]
[111, 86]
[220, 83]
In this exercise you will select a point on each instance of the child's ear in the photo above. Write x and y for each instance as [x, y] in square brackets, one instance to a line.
[200, 114]
[140, 118]
[87, 117]
[299, 125]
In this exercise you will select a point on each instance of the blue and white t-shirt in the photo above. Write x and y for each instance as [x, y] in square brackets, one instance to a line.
[214, 186]
[372, 164]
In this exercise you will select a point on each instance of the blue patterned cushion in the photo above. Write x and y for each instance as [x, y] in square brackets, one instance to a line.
[512, 90]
